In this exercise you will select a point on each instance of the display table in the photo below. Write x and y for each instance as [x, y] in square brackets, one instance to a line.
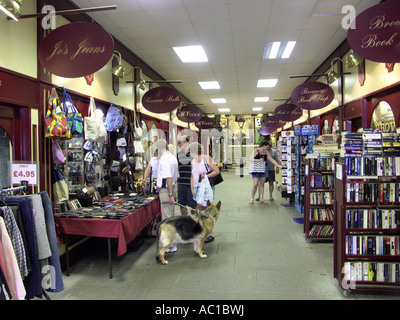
[125, 229]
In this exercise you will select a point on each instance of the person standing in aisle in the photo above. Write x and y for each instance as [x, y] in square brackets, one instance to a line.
[271, 167]
[184, 158]
[199, 171]
[167, 175]
[261, 154]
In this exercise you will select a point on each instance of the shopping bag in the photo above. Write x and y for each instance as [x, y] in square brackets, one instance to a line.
[205, 192]
[74, 118]
[56, 123]
[257, 167]
[94, 127]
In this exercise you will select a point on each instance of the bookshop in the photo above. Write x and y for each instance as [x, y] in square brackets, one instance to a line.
[262, 171]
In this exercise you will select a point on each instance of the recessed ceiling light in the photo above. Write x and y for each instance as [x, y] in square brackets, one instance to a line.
[209, 85]
[280, 50]
[261, 99]
[224, 110]
[267, 83]
[191, 54]
[258, 109]
[219, 100]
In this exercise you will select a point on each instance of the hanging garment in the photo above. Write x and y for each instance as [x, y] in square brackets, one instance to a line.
[40, 227]
[16, 239]
[9, 265]
[33, 282]
[56, 284]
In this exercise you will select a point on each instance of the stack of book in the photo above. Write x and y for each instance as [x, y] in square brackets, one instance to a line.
[321, 230]
[325, 214]
[372, 272]
[372, 219]
[373, 245]
[352, 144]
[391, 144]
[372, 142]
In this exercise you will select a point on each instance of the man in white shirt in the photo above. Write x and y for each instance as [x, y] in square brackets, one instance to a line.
[167, 175]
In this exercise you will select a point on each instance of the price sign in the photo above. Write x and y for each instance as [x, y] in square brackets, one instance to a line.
[24, 172]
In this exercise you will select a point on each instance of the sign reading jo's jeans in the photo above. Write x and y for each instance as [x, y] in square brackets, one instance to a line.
[76, 50]
[375, 33]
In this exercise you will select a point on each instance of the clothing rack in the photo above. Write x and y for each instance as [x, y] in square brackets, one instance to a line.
[12, 190]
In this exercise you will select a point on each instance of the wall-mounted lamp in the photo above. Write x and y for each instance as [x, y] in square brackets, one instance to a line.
[353, 59]
[333, 75]
[119, 70]
[12, 8]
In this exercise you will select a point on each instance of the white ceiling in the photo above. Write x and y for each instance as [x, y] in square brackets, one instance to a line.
[233, 34]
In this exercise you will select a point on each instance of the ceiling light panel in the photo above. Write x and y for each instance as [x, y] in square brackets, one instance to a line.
[267, 83]
[218, 100]
[258, 109]
[209, 85]
[191, 54]
[278, 50]
[261, 99]
[224, 110]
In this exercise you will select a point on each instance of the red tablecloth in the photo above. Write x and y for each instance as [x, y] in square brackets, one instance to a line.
[125, 229]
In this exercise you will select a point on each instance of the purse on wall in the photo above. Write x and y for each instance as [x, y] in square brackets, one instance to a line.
[74, 118]
[94, 127]
[55, 121]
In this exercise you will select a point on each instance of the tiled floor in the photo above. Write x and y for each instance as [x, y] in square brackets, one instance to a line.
[259, 253]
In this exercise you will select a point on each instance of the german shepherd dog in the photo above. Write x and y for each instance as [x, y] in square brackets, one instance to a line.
[187, 229]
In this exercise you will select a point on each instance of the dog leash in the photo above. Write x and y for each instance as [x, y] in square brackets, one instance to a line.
[203, 213]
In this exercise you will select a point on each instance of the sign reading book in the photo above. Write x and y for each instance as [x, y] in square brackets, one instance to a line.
[76, 50]
[161, 99]
[312, 95]
[375, 33]
[189, 113]
[288, 112]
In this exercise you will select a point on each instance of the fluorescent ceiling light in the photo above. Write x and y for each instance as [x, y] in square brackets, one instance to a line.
[219, 100]
[209, 85]
[258, 109]
[261, 99]
[280, 50]
[267, 83]
[288, 50]
[224, 110]
[191, 54]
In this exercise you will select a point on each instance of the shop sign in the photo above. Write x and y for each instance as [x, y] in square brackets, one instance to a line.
[274, 121]
[205, 123]
[76, 50]
[189, 113]
[288, 112]
[312, 95]
[375, 33]
[161, 99]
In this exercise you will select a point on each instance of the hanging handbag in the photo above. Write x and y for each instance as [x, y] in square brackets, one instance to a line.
[56, 123]
[74, 118]
[94, 127]
[257, 167]
[213, 180]
[58, 155]
[114, 119]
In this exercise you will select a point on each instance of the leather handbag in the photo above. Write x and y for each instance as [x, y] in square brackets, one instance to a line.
[213, 180]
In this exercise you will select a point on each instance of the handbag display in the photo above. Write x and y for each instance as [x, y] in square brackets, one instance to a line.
[74, 118]
[58, 155]
[213, 180]
[94, 127]
[56, 123]
[257, 167]
[114, 119]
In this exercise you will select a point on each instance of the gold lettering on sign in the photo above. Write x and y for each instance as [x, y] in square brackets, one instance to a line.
[59, 49]
[377, 23]
[84, 49]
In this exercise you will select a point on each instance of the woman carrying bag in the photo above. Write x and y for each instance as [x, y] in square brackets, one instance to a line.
[201, 166]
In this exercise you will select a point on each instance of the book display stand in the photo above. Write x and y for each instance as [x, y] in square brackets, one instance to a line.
[367, 213]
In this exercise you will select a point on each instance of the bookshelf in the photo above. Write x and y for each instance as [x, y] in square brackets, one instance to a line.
[367, 213]
[319, 199]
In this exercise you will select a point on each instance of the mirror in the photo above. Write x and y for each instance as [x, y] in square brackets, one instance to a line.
[383, 118]
[5, 159]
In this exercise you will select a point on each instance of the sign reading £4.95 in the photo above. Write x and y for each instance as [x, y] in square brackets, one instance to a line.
[76, 50]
